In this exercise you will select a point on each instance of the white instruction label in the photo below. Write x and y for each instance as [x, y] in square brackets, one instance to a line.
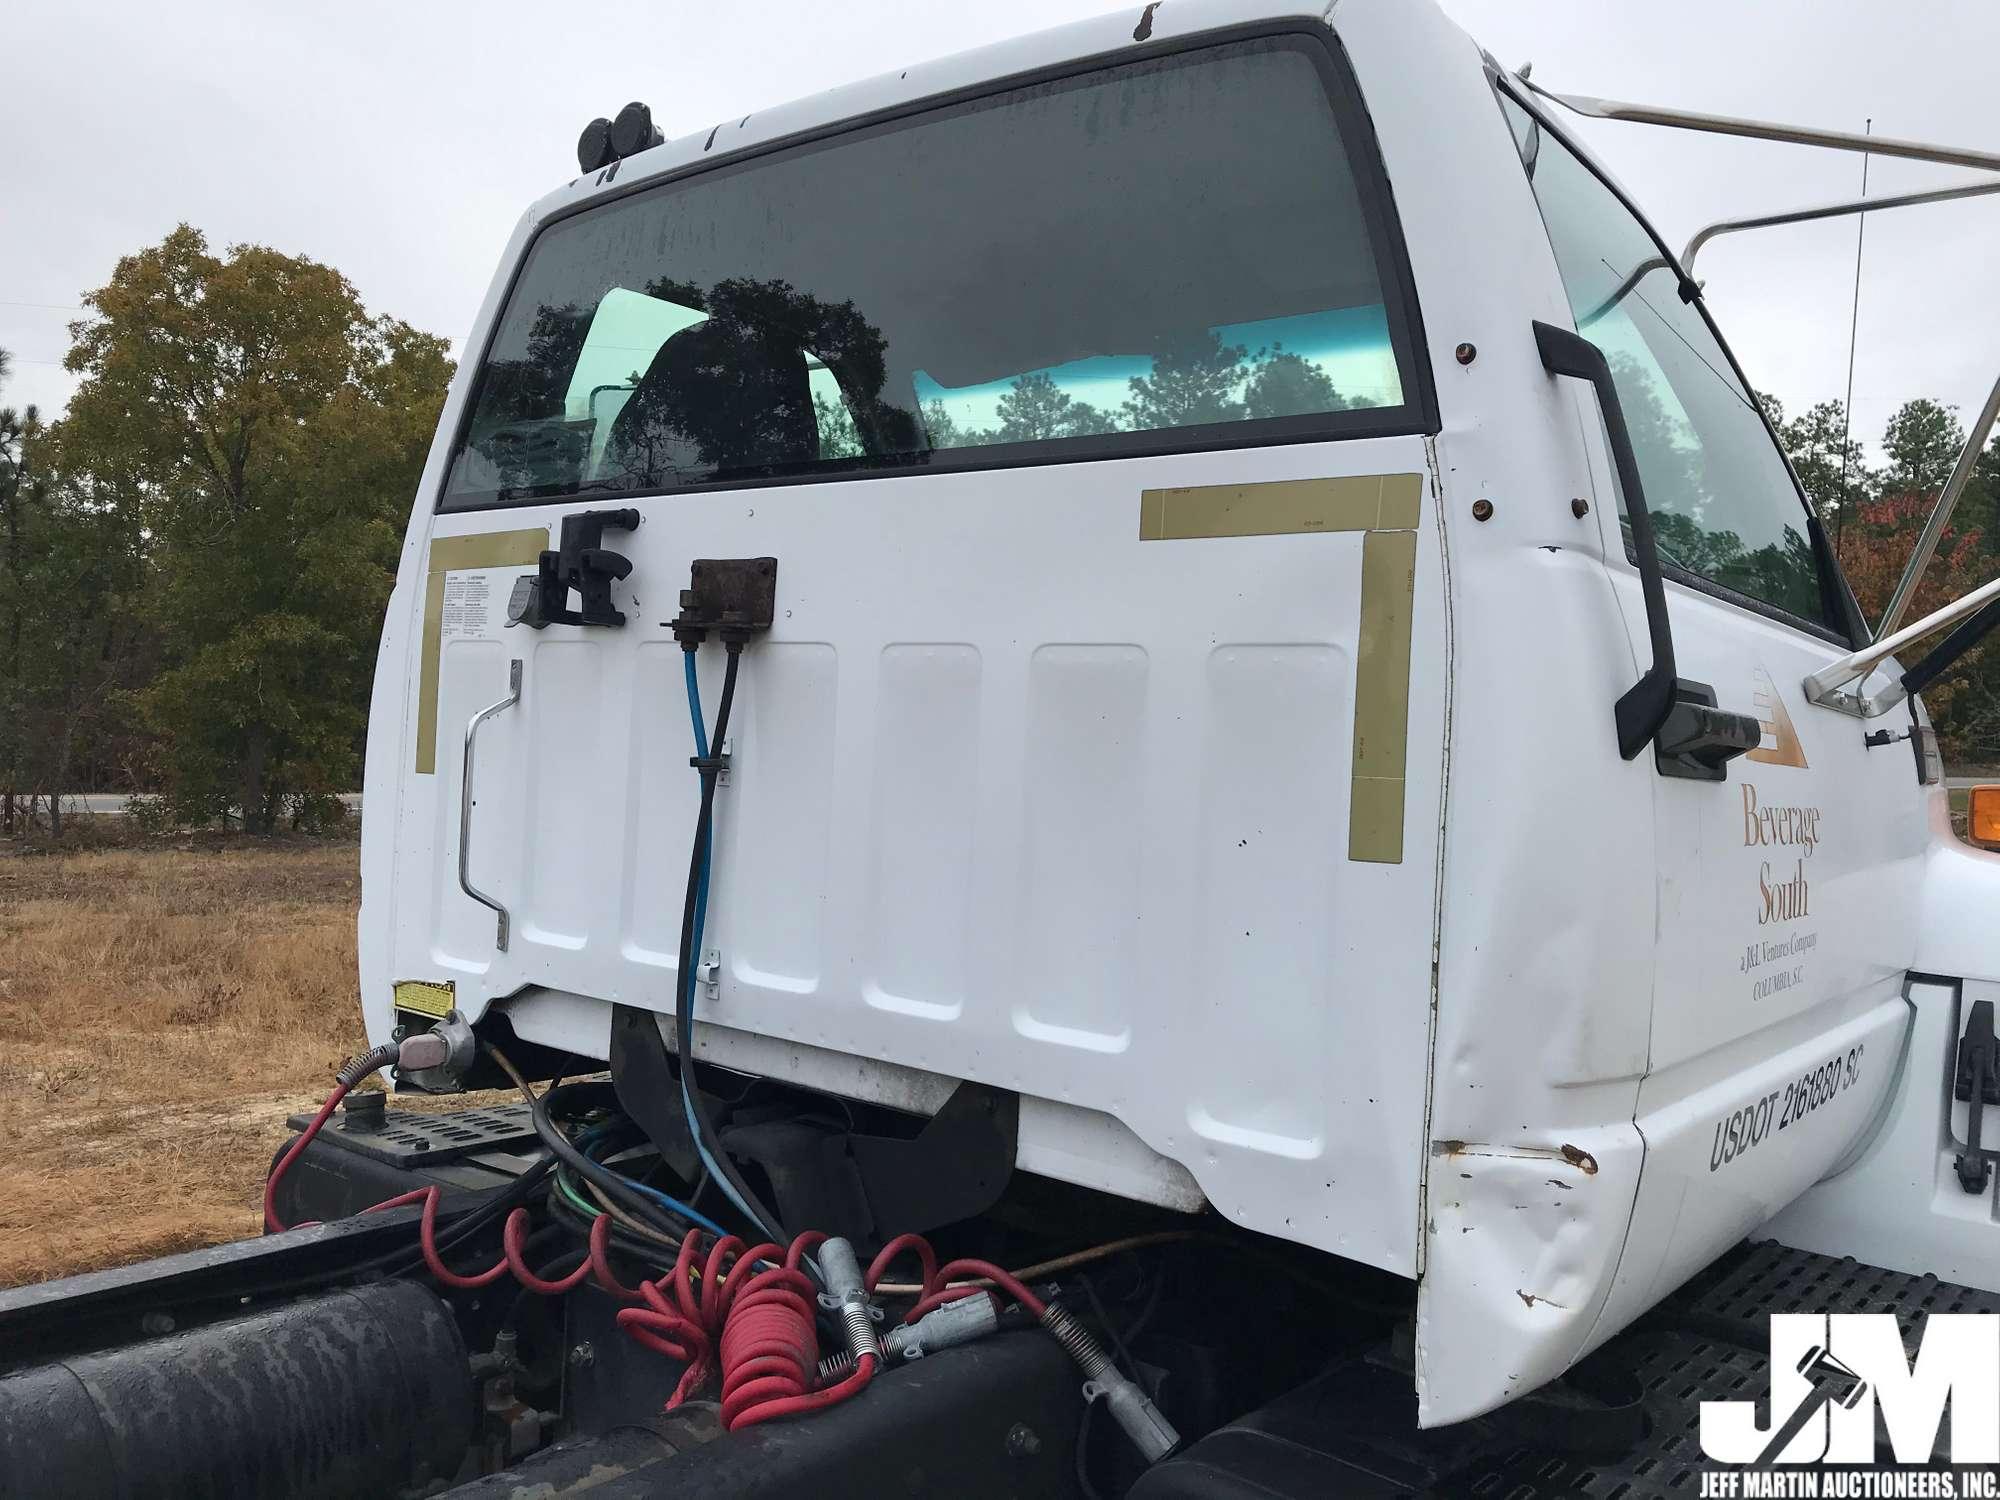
[468, 606]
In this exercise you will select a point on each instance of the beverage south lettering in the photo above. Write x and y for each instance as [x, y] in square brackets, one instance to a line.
[1782, 896]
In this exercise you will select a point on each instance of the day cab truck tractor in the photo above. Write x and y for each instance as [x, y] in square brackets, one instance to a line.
[1191, 806]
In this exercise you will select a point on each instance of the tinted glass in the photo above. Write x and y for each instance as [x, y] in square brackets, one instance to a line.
[1723, 504]
[1176, 246]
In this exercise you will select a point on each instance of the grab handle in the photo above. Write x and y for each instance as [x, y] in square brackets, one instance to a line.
[465, 804]
[1645, 705]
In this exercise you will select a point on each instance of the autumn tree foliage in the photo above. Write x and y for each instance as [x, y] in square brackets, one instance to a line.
[1874, 547]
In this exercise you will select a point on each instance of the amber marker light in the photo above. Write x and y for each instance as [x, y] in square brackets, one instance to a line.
[1982, 816]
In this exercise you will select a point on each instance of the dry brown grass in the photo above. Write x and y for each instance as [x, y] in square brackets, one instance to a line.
[161, 1012]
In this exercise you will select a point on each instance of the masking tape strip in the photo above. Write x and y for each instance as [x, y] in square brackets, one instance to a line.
[1281, 507]
[1382, 698]
[1384, 508]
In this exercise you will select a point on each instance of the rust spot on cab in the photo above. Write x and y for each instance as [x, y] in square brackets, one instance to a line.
[1580, 1158]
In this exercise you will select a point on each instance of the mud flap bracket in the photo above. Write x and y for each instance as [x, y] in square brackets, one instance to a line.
[1976, 1082]
[861, 1186]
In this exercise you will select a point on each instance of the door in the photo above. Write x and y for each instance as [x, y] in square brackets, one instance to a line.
[1787, 891]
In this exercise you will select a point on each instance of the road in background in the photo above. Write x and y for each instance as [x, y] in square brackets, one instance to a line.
[113, 803]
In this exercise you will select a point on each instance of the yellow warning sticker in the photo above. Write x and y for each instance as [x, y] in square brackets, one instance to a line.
[427, 997]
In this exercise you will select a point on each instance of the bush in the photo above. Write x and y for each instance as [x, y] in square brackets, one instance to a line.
[318, 812]
[151, 814]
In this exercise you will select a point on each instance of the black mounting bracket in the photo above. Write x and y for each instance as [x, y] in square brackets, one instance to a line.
[868, 1187]
[649, 1088]
[581, 562]
[1976, 1080]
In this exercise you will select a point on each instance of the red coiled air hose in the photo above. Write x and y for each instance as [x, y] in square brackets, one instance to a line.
[755, 1327]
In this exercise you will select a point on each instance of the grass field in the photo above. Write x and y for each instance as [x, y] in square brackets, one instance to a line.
[161, 1012]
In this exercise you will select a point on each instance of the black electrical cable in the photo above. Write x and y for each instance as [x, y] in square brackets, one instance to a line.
[698, 1119]
[546, 1267]
[645, 1209]
[581, 1098]
[463, 1226]
[634, 1248]
[405, 1260]
[475, 1220]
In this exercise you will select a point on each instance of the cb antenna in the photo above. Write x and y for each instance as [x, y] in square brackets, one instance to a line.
[1853, 326]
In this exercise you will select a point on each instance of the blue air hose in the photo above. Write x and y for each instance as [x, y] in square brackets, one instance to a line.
[687, 979]
[591, 1139]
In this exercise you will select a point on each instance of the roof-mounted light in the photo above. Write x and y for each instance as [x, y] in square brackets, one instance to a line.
[606, 141]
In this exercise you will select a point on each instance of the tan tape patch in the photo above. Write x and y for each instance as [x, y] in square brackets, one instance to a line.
[486, 549]
[1382, 697]
[1385, 508]
[1281, 507]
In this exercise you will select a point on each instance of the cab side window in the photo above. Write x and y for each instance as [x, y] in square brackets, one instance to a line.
[1724, 506]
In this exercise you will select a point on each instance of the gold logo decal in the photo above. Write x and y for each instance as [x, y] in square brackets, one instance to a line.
[1780, 745]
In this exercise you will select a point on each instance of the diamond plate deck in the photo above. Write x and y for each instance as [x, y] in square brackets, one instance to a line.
[1709, 1342]
[408, 1139]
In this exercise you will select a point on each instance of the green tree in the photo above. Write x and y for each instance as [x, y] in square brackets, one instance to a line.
[1830, 463]
[1982, 501]
[265, 432]
[69, 575]
[837, 435]
[1922, 442]
[941, 429]
[1193, 380]
[86, 607]
[18, 430]
[1290, 385]
[1035, 409]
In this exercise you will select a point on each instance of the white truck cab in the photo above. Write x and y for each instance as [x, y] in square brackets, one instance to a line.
[1286, 666]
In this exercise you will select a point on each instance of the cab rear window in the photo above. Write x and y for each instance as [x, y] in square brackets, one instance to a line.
[1187, 251]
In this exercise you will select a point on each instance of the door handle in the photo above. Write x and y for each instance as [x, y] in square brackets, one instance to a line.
[1697, 740]
[465, 804]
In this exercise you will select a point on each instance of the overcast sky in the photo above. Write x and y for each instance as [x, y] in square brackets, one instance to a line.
[400, 142]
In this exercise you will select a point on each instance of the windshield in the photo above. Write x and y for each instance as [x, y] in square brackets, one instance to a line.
[1171, 249]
